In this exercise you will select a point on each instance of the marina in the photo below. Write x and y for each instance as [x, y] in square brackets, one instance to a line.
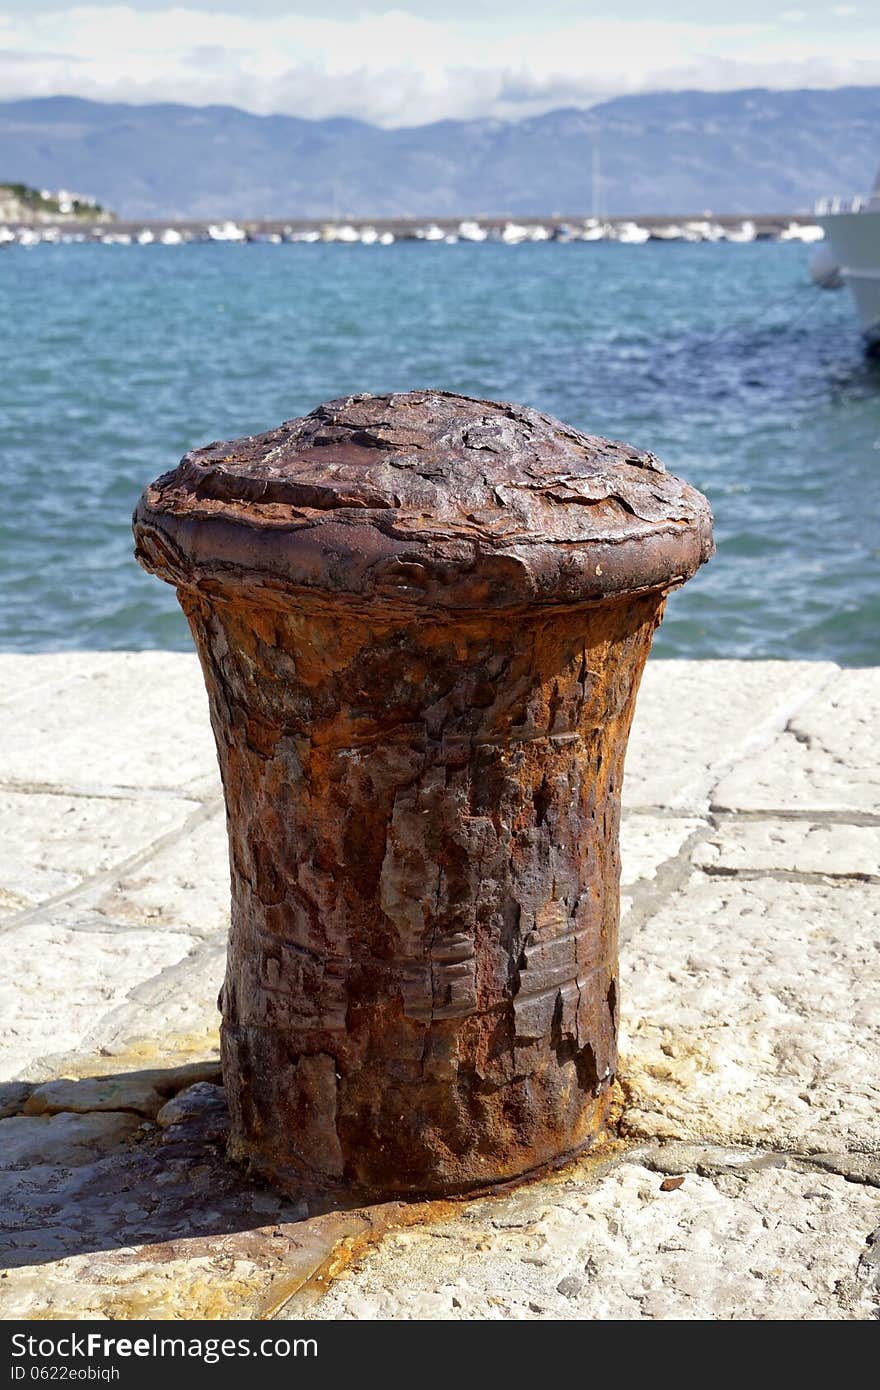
[449, 231]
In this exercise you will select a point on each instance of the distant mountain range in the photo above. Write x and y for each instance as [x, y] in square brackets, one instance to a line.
[668, 152]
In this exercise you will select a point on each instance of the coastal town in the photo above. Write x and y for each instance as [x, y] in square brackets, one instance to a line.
[31, 217]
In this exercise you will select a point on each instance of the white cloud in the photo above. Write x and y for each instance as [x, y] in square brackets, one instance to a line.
[398, 68]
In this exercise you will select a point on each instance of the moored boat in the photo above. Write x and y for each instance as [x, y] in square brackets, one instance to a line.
[852, 229]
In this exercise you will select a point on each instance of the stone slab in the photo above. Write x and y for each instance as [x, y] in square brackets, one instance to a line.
[647, 842]
[49, 844]
[13, 1097]
[709, 714]
[750, 1043]
[168, 1019]
[771, 1244]
[22, 673]
[801, 847]
[751, 1015]
[57, 983]
[184, 886]
[120, 720]
[105, 1215]
[27, 1141]
[651, 846]
[202, 1104]
[91, 1094]
[230, 1275]
[826, 760]
[695, 718]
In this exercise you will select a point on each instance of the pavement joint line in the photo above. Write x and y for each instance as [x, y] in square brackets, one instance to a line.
[729, 814]
[192, 956]
[82, 1057]
[647, 1152]
[789, 875]
[95, 926]
[823, 1162]
[649, 895]
[83, 792]
[204, 811]
[59, 683]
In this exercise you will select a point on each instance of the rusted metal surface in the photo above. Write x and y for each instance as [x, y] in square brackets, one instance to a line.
[422, 621]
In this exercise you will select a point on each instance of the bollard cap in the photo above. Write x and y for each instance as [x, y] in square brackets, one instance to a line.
[425, 498]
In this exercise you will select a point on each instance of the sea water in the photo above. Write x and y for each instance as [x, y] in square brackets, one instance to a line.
[722, 359]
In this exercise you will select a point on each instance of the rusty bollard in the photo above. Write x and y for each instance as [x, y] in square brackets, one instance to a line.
[422, 621]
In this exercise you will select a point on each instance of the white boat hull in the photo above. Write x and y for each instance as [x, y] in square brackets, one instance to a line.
[855, 240]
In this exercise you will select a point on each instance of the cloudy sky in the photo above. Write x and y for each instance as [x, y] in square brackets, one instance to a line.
[401, 64]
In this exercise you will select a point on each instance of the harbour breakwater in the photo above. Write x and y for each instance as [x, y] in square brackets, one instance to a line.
[385, 232]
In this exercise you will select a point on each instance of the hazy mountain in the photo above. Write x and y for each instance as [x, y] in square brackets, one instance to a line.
[746, 151]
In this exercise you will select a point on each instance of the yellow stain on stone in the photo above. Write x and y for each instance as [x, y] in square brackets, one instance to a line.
[103, 1286]
[144, 1054]
[252, 1274]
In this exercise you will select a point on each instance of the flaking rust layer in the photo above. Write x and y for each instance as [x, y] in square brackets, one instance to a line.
[422, 621]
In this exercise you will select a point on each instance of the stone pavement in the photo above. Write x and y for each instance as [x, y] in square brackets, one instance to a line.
[742, 1180]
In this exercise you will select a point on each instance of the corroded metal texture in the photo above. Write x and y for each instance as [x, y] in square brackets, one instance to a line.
[422, 621]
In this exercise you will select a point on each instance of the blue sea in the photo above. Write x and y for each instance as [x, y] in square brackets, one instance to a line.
[722, 359]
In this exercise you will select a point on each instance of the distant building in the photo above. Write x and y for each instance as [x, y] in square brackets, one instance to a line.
[21, 203]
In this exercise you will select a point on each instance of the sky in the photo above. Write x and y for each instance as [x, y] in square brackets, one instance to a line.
[405, 65]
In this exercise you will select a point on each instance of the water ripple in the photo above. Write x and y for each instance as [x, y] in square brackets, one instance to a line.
[722, 359]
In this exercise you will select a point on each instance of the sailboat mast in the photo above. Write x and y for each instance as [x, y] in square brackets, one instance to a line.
[597, 179]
